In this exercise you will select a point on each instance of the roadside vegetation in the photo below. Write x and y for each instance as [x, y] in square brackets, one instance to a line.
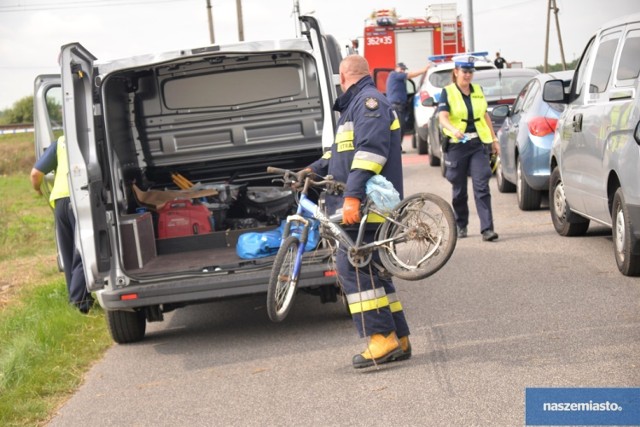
[47, 345]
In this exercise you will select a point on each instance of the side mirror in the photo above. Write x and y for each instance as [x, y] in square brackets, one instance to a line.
[553, 91]
[501, 111]
[429, 102]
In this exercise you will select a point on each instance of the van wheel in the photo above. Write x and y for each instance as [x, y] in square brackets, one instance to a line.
[504, 186]
[422, 146]
[564, 221]
[126, 326]
[623, 237]
[528, 198]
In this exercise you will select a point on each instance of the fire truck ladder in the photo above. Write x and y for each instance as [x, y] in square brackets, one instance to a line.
[449, 36]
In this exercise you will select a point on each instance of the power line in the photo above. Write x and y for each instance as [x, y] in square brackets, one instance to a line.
[82, 4]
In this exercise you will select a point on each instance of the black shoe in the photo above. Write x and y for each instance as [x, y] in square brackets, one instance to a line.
[462, 232]
[489, 235]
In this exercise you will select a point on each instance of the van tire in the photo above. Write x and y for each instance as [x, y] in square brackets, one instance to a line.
[565, 222]
[422, 145]
[126, 326]
[623, 237]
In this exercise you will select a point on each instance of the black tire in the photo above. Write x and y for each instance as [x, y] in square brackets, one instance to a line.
[504, 186]
[433, 160]
[528, 198]
[126, 326]
[623, 237]
[430, 241]
[423, 144]
[564, 221]
[282, 285]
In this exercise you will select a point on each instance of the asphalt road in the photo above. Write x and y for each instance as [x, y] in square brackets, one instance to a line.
[531, 310]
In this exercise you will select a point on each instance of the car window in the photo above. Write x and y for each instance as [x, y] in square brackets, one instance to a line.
[517, 106]
[505, 86]
[579, 76]
[532, 95]
[603, 62]
[440, 78]
[629, 66]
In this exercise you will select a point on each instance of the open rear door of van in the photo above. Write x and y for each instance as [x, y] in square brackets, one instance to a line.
[87, 176]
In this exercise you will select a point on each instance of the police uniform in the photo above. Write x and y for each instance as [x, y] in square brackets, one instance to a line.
[367, 142]
[55, 159]
[471, 156]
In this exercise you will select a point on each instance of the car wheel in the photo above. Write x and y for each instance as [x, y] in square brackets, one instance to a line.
[433, 160]
[528, 198]
[623, 237]
[422, 146]
[126, 326]
[564, 221]
[414, 144]
[504, 186]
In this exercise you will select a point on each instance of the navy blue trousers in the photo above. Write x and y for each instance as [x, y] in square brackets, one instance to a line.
[470, 159]
[382, 319]
[73, 269]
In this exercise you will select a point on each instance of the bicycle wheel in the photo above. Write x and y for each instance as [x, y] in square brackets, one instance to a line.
[282, 283]
[423, 237]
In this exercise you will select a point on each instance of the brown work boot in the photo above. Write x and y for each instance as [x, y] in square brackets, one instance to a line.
[381, 349]
[406, 349]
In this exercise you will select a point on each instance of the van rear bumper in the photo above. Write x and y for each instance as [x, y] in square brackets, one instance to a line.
[205, 288]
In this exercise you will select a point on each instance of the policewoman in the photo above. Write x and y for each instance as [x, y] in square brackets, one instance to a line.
[469, 139]
[367, 143]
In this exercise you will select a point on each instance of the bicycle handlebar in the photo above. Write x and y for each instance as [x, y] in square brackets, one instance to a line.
[290, 177]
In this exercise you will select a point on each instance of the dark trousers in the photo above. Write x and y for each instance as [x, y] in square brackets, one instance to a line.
[461, 161]
[402, 115]
[73, 269]
[381, 319]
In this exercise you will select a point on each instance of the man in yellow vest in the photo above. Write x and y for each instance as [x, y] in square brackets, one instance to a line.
[55, 159]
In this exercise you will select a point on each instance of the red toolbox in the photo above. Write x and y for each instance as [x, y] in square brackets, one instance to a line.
[179, 218]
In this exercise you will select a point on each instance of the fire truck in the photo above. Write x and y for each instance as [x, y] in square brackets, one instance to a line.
[389, 39]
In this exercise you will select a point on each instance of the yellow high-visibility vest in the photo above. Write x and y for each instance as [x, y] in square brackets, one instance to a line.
[458, 112]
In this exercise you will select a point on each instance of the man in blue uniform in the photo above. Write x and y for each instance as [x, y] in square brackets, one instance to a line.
[367, 142]
[397, 89]
[55, 159]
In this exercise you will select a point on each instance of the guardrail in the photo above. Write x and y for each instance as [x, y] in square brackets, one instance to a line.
[22, 128]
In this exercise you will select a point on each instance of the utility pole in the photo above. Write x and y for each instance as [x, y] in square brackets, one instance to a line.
[471, 44]
[240, 24]
[296, 15]
[551, 5]
[211, 36]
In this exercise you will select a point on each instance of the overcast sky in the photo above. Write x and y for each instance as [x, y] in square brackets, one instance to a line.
[32, 31]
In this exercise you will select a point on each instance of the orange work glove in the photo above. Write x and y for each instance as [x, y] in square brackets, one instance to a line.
[351, 210]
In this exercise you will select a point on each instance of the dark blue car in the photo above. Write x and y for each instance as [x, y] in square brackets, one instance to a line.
[526, 136]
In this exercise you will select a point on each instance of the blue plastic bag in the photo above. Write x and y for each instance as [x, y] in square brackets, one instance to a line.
[254, 245]
[382, 193]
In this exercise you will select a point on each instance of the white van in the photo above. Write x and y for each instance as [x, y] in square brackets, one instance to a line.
[138, 128]
[595, 158]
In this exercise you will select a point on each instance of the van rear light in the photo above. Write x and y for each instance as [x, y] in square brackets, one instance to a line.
[330, 273]
[541, 126]
[128, 297]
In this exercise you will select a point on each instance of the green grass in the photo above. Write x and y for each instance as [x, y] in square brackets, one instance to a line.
[47, 345]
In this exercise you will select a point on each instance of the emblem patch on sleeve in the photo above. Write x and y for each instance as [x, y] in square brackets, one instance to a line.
[371, 103]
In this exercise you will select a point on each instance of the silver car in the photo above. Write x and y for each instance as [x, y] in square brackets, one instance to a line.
[595, 157]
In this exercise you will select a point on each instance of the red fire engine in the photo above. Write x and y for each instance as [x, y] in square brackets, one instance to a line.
[389, 39]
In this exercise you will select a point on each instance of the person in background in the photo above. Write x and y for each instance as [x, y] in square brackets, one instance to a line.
[55, 159]
[470, 139]
[367, 142]
[499, 62]
[397, 89]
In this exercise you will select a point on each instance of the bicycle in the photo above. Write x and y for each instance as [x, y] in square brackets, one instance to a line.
[415, 240]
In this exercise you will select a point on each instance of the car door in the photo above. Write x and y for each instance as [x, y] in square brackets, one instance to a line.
[592, 184]
[511, 128]
[88, 167]
[328, 57]
[571, 138]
